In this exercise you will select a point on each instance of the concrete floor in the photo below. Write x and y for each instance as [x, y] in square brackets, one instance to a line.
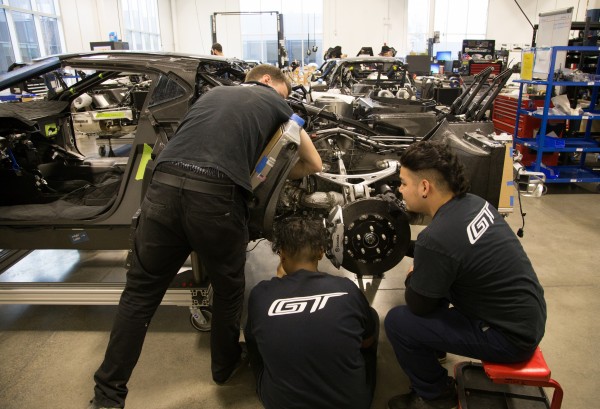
[49, 353]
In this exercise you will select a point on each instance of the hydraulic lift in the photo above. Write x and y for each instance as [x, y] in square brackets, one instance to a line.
[282, 57]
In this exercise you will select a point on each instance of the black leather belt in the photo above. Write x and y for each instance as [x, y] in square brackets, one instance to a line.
[205, 171]
[194, 185]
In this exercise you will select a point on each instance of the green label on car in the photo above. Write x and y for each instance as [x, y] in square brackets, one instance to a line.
[50, 129]
[110, 115]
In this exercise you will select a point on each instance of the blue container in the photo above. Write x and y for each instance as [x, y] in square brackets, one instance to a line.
[552, 142]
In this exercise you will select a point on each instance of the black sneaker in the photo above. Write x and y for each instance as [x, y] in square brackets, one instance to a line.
[447, 400]
[242, 361]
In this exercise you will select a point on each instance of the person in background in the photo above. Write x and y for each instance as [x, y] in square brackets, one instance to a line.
[311, 336]
[334, 52]
[386, 51]
[197, 201]
[472, 290]
[216, 49]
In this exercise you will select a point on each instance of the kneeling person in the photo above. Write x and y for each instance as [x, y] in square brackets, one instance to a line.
[311, 336]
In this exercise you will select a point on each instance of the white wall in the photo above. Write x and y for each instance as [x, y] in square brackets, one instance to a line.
[165, 23]
[80, 24]
[192, 30]
[507, 25]
[85, 21]
[352, 24]
[384, 21]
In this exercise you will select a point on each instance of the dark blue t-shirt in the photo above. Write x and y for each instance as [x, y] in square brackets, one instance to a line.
[308, 328]
[227, 129]
[469, 255]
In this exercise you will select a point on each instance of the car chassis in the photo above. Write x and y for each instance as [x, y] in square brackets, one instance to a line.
[360, 175]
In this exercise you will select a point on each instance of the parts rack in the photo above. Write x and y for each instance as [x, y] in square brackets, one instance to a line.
[579, 146]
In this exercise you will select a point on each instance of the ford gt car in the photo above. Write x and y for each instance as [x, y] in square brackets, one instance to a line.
[53, 196]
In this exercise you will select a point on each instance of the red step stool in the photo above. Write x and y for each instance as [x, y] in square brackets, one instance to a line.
[513, 382]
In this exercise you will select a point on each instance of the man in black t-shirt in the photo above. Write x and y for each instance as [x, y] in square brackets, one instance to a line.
[469, 258]
[197, 201]
[311, 336]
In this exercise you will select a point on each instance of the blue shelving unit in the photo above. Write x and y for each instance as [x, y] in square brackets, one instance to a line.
[542, 143]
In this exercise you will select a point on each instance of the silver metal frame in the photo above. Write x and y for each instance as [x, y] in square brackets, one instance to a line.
[82, 294]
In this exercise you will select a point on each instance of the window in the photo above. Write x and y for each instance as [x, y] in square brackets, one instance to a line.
[142, 31]
[418, 26]
[259, 36]
[26, 35]
[298, 49]
[50, 35]
[29, 29]
[455, 20]
[6, 48]
[21, 4]
[46, 6]
[303, 26]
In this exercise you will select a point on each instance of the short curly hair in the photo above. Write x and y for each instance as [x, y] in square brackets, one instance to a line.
[300, 237]
[425, 156]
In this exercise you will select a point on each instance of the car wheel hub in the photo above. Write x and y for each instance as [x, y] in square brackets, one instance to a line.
[374, 241]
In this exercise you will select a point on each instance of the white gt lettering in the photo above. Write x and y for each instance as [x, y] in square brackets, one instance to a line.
[480, 224]
[296, 305]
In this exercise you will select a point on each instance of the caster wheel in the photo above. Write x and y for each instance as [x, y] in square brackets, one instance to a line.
[202, 319]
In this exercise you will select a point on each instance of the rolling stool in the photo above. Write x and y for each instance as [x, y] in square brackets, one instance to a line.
[519, 385]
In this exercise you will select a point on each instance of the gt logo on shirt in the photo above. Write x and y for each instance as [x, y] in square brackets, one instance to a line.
[296, 305]
[480, 223]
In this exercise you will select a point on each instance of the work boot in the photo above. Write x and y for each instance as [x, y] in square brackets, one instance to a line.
[447, 399]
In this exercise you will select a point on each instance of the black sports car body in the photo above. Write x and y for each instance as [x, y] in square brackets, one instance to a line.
[55, 197]
[52, 196]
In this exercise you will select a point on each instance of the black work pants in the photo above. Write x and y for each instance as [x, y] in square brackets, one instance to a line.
[416, 340]
[173, 222]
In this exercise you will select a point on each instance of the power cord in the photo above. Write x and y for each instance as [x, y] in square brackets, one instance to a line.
[257, 243]
[521, 230]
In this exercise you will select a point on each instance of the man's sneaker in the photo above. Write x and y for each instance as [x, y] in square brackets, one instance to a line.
[441, 356]
[447, 400]
[243, 361]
